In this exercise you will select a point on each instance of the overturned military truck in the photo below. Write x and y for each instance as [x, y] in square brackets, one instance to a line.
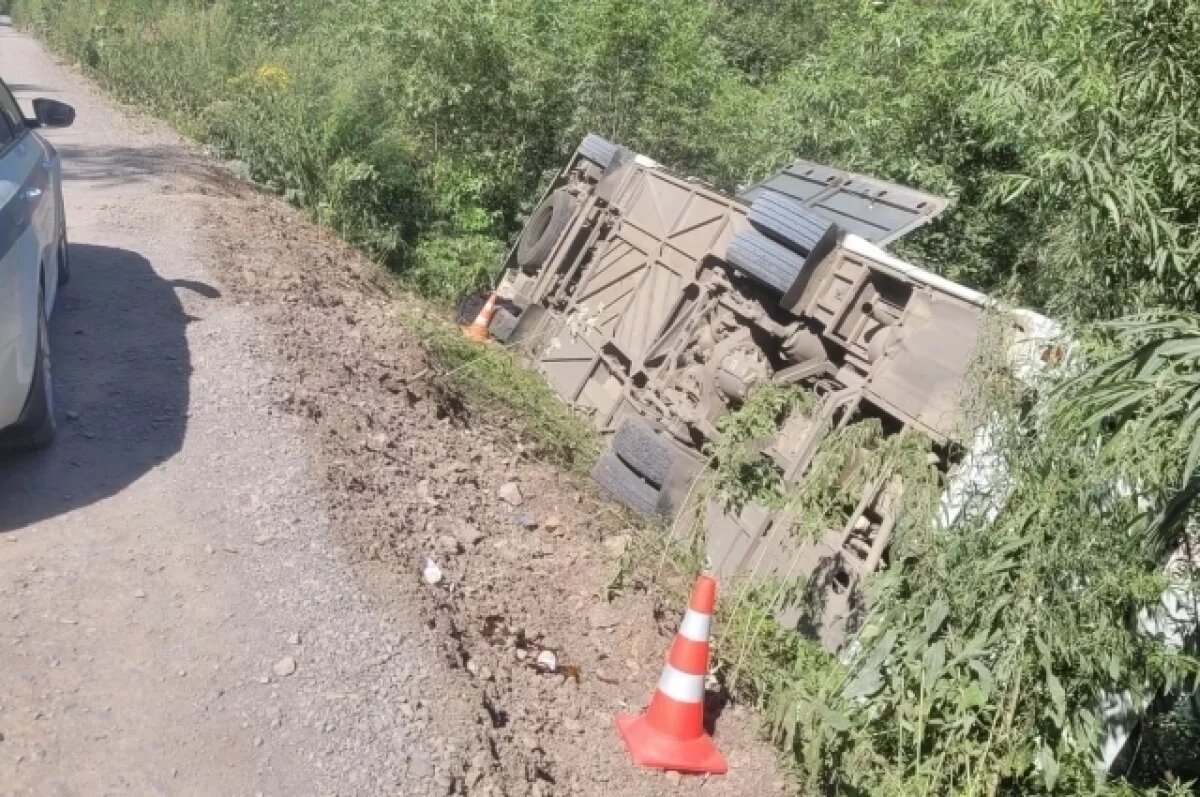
[654, 306]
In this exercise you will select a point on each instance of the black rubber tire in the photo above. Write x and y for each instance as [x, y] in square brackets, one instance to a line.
[543, 230]
[64, 259]
[598, 150]
[787, 222]
[759, 257]
[469, 306]
[645, 452]
[37, 426]
[626, 486]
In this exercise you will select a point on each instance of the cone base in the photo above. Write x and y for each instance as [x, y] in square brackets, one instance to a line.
[656, 750]
[479, 334]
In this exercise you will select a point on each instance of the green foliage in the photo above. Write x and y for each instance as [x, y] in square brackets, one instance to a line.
[1065, 132]
[1149, 392]
[491, 380]
[742, 475]
[1008, 613]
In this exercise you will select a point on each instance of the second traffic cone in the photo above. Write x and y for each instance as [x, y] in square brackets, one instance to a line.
[478, 330]
[670, 735]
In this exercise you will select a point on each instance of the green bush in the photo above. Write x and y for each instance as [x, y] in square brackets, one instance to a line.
[1064, 132]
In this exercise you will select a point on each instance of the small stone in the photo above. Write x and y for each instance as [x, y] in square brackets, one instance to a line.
[551, 523]
[448, 545]
[258, 742]
[139, 593]
[617, 544]
[208, 549]
[510, 493]
[525, 521]
[263, 539]
[431, 574]
[547, 661]
[72, 415]
[284, 667]
[294, 639]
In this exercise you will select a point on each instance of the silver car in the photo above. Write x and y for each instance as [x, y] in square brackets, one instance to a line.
[33, 264]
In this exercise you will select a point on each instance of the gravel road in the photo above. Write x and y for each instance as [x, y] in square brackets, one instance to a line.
[210, 583]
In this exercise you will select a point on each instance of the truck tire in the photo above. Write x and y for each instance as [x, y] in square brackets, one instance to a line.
[37, 426]
[468, 307]
[789, 223]
[543, 230]
[759, 257]
[626, 486]
[598, 150]
[643, 451]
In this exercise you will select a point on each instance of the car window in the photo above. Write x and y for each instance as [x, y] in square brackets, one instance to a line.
[10, 110]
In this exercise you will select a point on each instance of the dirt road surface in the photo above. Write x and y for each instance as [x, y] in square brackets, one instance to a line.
[210, 584]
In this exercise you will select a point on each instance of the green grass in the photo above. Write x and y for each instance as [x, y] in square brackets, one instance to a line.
[490, 380]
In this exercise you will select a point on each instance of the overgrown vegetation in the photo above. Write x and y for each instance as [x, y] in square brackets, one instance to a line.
[1015, 610]
[1064, 131]
[490, 378]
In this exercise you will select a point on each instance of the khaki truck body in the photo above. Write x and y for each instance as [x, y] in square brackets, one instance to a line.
[654, 305]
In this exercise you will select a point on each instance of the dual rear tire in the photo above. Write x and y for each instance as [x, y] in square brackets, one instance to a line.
[645, 470]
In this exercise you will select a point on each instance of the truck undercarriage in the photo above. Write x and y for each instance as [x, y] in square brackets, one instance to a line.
[655, 306]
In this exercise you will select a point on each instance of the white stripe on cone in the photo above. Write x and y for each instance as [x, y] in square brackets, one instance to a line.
[695, 626]
[681, 686]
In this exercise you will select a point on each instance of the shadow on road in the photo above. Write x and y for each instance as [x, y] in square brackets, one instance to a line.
[121, 370]
[122, 166]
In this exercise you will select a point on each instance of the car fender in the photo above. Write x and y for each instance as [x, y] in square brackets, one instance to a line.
[18, 325]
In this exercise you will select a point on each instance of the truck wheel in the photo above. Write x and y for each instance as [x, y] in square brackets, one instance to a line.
[626, 486]
[759, 257]
[642, 450]
[545, 227]
[37, 426]
[788, 222]
[598, 150]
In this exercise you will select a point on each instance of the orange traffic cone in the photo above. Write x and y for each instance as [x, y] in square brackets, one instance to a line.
[478, 331]
[670, 735]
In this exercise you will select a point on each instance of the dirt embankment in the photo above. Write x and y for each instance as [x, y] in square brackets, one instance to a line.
[411, 475]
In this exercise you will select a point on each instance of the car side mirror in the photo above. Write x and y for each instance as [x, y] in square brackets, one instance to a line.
[52, 113]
